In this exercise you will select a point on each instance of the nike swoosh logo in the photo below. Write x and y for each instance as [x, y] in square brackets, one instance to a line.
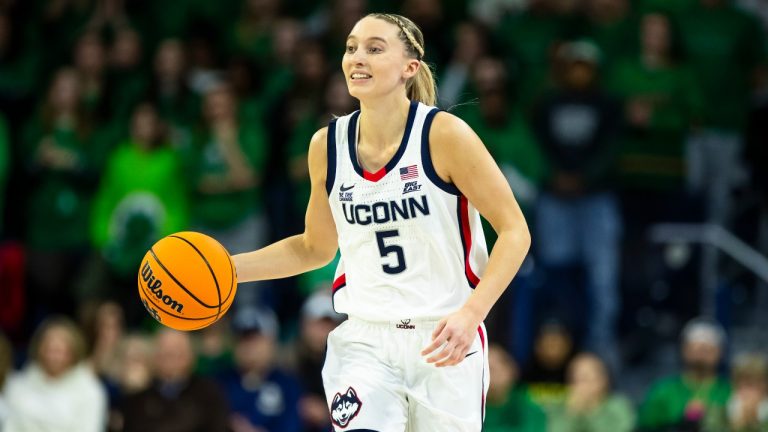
[344, 189]
[473, 352]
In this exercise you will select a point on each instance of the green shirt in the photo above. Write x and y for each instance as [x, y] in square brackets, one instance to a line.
[724, 46]
[667, 400]
[142, 197]
[529, 38]
[517, 413]
[651, 157]
[60, 198]
[615, 414]
[222, 210]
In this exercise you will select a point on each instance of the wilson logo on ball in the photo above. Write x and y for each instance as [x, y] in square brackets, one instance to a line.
[154, 284]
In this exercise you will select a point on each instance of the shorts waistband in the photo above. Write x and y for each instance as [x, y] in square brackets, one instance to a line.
[400, 324]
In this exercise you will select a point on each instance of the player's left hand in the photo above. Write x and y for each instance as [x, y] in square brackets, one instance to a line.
[455, 334]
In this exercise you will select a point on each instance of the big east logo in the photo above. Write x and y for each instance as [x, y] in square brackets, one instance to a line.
[345, 407]
[155, 286]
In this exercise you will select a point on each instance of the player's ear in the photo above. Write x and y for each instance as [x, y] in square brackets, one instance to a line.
[411, 68]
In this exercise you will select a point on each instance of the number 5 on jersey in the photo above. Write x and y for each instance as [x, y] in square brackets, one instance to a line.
[385, 250]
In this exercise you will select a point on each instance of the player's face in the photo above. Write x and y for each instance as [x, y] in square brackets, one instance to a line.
[375, 61]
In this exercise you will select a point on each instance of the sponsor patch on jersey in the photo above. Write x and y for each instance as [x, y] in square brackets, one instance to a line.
[412, 186]
[345, 192]
[405, 325]
[345, 407]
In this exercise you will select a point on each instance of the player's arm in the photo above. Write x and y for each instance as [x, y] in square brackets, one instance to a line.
[313, 248]
[461, 158]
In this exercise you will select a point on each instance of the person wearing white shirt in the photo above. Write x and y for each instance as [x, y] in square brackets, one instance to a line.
[56, 391]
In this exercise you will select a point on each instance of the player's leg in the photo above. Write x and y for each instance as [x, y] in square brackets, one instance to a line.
[363, 392]
[449, 398]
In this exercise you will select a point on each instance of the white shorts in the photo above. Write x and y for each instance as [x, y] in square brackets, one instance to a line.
[375, 379]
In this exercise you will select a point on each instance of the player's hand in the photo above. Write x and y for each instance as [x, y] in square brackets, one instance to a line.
[455, 334]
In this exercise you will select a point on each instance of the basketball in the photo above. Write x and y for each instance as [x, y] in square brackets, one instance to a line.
[187, 281]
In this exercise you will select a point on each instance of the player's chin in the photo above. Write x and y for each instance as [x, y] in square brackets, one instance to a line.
[360, 90]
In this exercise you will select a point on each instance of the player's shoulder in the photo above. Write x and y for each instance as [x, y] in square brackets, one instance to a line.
[449, 127]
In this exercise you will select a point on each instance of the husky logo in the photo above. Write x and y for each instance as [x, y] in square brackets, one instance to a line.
[412, 186]
[152, 311]
[155, 285]
[345, 407]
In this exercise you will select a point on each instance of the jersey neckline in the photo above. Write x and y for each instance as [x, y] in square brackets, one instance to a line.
[352, 140]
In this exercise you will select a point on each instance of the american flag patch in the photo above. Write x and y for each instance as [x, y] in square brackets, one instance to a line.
[409, 172]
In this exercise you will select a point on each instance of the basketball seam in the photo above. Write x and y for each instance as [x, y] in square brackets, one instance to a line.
[215, 280]
[231, 275]
[157, 260]
[149, 297]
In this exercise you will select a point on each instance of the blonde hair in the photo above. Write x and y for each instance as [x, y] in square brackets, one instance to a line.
[422, 86]
[76, 339]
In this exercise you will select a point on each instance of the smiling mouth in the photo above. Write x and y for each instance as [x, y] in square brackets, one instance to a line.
[359, 76]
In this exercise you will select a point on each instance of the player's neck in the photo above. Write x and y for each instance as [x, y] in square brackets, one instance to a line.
[382, 121]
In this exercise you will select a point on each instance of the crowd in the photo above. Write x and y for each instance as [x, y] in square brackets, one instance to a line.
[122, 121]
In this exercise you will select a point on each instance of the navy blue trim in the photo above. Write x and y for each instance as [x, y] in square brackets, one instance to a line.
[352, 140]
[330, 175]
[464, 255]
[426, 157]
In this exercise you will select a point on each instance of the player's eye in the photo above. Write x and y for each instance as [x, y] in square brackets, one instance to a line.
[375, 50]
[350, 49]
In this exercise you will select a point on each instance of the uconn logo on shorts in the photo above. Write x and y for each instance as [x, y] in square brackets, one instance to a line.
[345, 407]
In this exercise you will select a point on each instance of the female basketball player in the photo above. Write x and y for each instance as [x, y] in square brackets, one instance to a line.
[397, 187]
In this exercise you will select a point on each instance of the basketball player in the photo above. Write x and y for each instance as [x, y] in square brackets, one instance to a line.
[397, 187]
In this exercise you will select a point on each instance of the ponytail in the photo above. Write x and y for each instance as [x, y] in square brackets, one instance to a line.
[422, 86]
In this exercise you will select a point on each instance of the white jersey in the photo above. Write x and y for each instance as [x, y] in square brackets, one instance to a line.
[412, 246]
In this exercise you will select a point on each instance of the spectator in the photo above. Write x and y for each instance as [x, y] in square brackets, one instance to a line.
[747, 409]
[613, 27]
[661, 103]
[6, 366]
[590, 404]
[545, 375]
[251, 33]
[725, 47]
[262, 397]
[683, 400]
[214, 349]
[509, 407]
[126, 74]
[471, 40]
[56, 391]
[226, 171]
[577, 215]
[132, 210]
[307, 356]
[104, 327]
[129, 373]
[529, 39]
[176, 104]
[177, 400]
[62, 164]
[503, 127]
[90, 62]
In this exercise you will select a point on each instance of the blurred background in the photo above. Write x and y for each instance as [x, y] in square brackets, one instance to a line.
[633, 132]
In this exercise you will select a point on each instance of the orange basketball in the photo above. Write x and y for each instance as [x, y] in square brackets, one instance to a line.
[187, 281]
